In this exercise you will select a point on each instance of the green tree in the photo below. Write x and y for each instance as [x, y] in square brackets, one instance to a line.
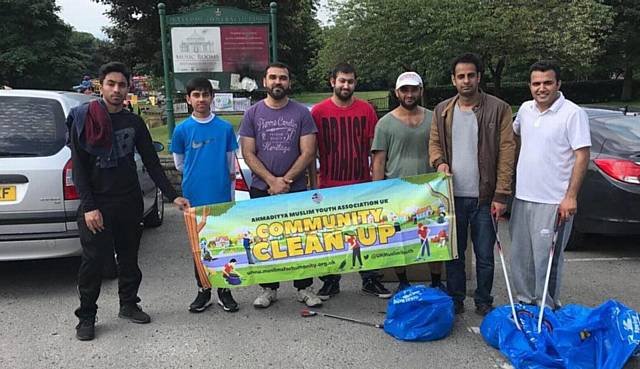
[136, 30]
[383, 38]
[623, 46]
[35, 47]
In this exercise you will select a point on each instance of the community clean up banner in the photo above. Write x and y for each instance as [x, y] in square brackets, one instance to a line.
[330, 231]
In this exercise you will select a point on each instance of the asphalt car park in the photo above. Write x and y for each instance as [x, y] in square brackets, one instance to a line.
[37, 299]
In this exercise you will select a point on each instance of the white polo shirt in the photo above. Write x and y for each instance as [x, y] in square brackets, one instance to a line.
[547, 155]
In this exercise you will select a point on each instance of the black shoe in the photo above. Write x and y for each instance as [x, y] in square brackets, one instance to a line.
[402, 286]
[134, 314]
[328, 290]
[483, 309]
[375, 288]
[201, 303]
[86, 329]
[226, 300]
[458, 307]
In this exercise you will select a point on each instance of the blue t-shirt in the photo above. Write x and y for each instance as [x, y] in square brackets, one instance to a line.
[205, 178]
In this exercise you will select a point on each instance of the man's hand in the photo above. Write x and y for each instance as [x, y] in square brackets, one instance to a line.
[279, 185]
[182, 203]
[444, 168]
[93, 220]
[498, 209]
[568, 207]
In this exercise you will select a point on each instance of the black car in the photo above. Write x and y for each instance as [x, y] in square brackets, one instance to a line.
[609, 200]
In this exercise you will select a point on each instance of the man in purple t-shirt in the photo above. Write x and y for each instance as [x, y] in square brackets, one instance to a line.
[278, 141]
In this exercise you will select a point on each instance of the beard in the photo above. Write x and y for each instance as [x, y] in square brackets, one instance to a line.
[411, 106]
[278, 92]
[340, 94]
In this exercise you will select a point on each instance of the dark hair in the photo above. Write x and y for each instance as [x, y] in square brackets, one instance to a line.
[470, 58]
[277, 65]
[545, 65]
[199, 84]
[114, 67]
[232, 260]
[345, 68]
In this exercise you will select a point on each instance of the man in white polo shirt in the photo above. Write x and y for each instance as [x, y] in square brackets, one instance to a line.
[553, 161]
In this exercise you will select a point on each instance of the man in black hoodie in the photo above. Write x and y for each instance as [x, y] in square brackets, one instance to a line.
[103, 139]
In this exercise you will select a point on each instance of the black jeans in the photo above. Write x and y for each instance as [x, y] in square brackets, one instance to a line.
[122, 231]
[298, 283]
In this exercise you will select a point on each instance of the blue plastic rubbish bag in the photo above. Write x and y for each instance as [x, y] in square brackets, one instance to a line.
[419, 313]
[572, 337]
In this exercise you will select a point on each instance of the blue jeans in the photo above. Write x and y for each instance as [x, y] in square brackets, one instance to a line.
[483, 238]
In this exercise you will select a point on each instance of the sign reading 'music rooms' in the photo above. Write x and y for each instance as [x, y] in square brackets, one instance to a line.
[196, 49]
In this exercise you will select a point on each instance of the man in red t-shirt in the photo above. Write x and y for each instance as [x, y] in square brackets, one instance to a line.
[346, 126]
[423, 232]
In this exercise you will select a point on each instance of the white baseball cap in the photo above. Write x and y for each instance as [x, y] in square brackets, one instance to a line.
[408, 79]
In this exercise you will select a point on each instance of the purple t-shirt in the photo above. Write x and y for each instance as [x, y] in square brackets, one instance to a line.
[277, 133]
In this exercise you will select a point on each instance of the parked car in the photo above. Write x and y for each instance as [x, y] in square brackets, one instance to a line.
[38, 201]
[609, 200]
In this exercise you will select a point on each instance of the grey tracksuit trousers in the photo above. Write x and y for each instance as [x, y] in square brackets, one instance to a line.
[531, 227]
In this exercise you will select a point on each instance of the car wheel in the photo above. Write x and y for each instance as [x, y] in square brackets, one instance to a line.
[156, 215]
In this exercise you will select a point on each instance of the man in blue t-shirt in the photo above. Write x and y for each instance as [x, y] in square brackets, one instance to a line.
[203, 149]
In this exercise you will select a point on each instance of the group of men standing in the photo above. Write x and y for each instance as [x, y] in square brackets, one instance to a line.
[470, 136]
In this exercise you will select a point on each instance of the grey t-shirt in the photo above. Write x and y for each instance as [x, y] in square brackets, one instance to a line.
[407, 147]
[277, 133]
[464, 153]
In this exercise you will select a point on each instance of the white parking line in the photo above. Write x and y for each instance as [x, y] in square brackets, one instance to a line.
[603, 259]
[501, 363]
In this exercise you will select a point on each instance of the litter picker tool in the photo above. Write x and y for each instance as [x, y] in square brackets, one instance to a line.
[306, 313]
[504, 270]
[546, 279]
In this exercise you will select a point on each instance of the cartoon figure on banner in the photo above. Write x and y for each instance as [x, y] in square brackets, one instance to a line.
[423, 233]
[205, 254]
[316, 197]
[229, 274]
[355, 250]
[247, 240]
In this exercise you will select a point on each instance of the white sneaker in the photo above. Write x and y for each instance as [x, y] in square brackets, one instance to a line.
[265, 299]
[309, 297]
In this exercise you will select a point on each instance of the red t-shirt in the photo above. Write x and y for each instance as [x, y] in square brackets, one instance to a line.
[344, 142]
[422, 232]
[353, 243]
[227, 269]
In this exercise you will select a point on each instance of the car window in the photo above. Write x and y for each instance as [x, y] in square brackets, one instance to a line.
[30, 126]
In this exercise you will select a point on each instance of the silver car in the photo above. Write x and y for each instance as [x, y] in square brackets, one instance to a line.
[38, 201]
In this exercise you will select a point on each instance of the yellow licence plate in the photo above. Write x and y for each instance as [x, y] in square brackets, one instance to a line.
[7, 193]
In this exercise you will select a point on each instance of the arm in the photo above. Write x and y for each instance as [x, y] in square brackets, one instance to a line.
[313, 174]
[436, 155]
[307, 154]
[504, 168]
[379, 160]
[81, 162]
[569, 204]
[231, 162]
[144, 144]
[178, 161]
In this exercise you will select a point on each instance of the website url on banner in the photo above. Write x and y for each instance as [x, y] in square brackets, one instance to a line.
[292, 268]
[392, 253]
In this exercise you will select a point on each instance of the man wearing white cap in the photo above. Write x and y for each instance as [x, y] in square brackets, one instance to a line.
[400, 147]
[471, 138]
